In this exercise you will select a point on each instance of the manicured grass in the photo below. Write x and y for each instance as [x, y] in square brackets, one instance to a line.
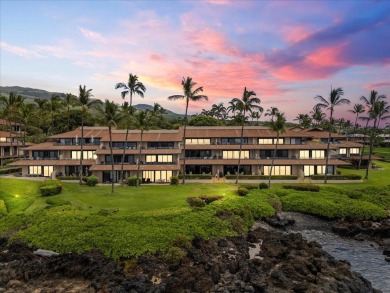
[376, 177]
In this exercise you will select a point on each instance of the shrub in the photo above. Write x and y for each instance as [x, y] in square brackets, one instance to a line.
[242, 191]
[174, 255]
[92, 180]
[49, 190]
[132, 181]
[51, 187]
[56, 201]
[194, 201]
[9, 170]
[196, 176]
[3, 208]
[263, 177]
[302, 187]
[182, 241]
[263, 185]
[174, 180]
[210, 198]
[337, 177]
[249, 186]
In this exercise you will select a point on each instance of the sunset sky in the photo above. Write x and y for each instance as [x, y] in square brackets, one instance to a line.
[286, 51]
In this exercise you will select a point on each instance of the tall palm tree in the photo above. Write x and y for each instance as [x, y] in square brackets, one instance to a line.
[11, 104]
[42, 113]
[304, 120]
[24, 115]
[190, 94]
[86, 103]
[232, 107]
[317, 115]
[379, 111]
[278, 126]
[247, 104]
[335, 99]
[54, 105]
[369, 103]
[110, 116]
[357, 109]
[272, 112]
[218, 111]
[69, 101]
[157, 112]
[126, 122]
[142, 121]
[133, 87]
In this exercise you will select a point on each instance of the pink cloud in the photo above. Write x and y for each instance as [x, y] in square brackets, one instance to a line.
[294, 34]
[93, 36]
[377, 85]
[20, 51]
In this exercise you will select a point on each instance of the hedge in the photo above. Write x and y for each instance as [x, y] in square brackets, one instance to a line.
[196, 176]
[262, 177]
[51, 187]
[337, 177]
[3, 208]
[303, 187]
[132, 181]
[10, 170]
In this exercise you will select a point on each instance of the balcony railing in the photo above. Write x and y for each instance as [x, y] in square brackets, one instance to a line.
[44, 158]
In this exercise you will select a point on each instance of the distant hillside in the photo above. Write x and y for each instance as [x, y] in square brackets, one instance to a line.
[168, 114]
[28, 92]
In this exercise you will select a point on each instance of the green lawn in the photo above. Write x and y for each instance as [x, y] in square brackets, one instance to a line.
[376, 177]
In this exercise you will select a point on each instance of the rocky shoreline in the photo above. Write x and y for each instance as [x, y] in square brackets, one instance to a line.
[277, 263]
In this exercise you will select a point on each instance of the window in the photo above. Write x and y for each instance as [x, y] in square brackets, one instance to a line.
[87, 155]
[232, 169]
[159, 158]
[343, 151]
[304, 154]
[41, 170]
[277, 170]
[270, 154]
[296, 140]
[354, 151]
[316, 154]
[271, 140]
[160, 145]
[235, 154]
[45, 154]
[197, 140]
[123, 145]
[201, 154]
[234, 140]
[198, 169]
[156, 176]
[3, 139]
[313, 170]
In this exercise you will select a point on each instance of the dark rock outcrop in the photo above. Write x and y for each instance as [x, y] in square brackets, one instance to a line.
[285, 263]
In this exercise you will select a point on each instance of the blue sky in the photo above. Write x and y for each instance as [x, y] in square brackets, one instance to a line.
[286, 51]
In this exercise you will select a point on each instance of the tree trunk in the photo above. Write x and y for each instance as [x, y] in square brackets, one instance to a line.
[239, 153]
[123, 155]
[371, 148]
[273, 160]
[112, 161]
[81, 147]
[364, 143]
[327, 147]
[139, 158]
[184, 143]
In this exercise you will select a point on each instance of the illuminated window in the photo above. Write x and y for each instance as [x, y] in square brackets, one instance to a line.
[87, 155]
[157, 176]
[271, 140]
[304, 154]
[277, 170]
[159, 158]
[354, 151]
[41, 170]
[343, 151]
[235, 154]
[308, 170]
[197, 141]
[3, 139]
[315, 154]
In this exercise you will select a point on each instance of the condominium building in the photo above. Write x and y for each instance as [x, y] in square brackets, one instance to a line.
[10, 142]
[208, 150]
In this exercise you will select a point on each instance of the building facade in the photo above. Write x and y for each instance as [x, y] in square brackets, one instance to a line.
[209, 150]
[10, 141]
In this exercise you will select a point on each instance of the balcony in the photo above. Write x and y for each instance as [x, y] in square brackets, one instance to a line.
[44, 158]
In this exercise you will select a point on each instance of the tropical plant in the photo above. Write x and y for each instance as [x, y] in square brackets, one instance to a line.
[69, 101]
[277, 125]
[142, 121]
[218, 111]
[357, 109]
[247, 104]
[378, 112]
[110, 116]
[86, 104]
[133, 87]
[24, 115]
[190, 94]
[304, 120]
[54, 106]
[157, 112]
[335, 99]
[232, 107]
[369, 103]
[317, 115]
[272, 112]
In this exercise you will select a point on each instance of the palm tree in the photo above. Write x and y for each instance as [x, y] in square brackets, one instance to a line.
[378, 112]
[247, 104]
[132, 87]
[317, 115]
[190, 94]
[218, 111]
[142, 121]
[304, 120]
[357, 109]
[157, 112]
[110, 116]
[54, 104]
[272, 112]
[42, 107]
[333, 101]
[232, 108]
[25, 113]
[127, 115]
[69, 101]
[369, 103]
[279, 126]
[86, 103]
[11, 104]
